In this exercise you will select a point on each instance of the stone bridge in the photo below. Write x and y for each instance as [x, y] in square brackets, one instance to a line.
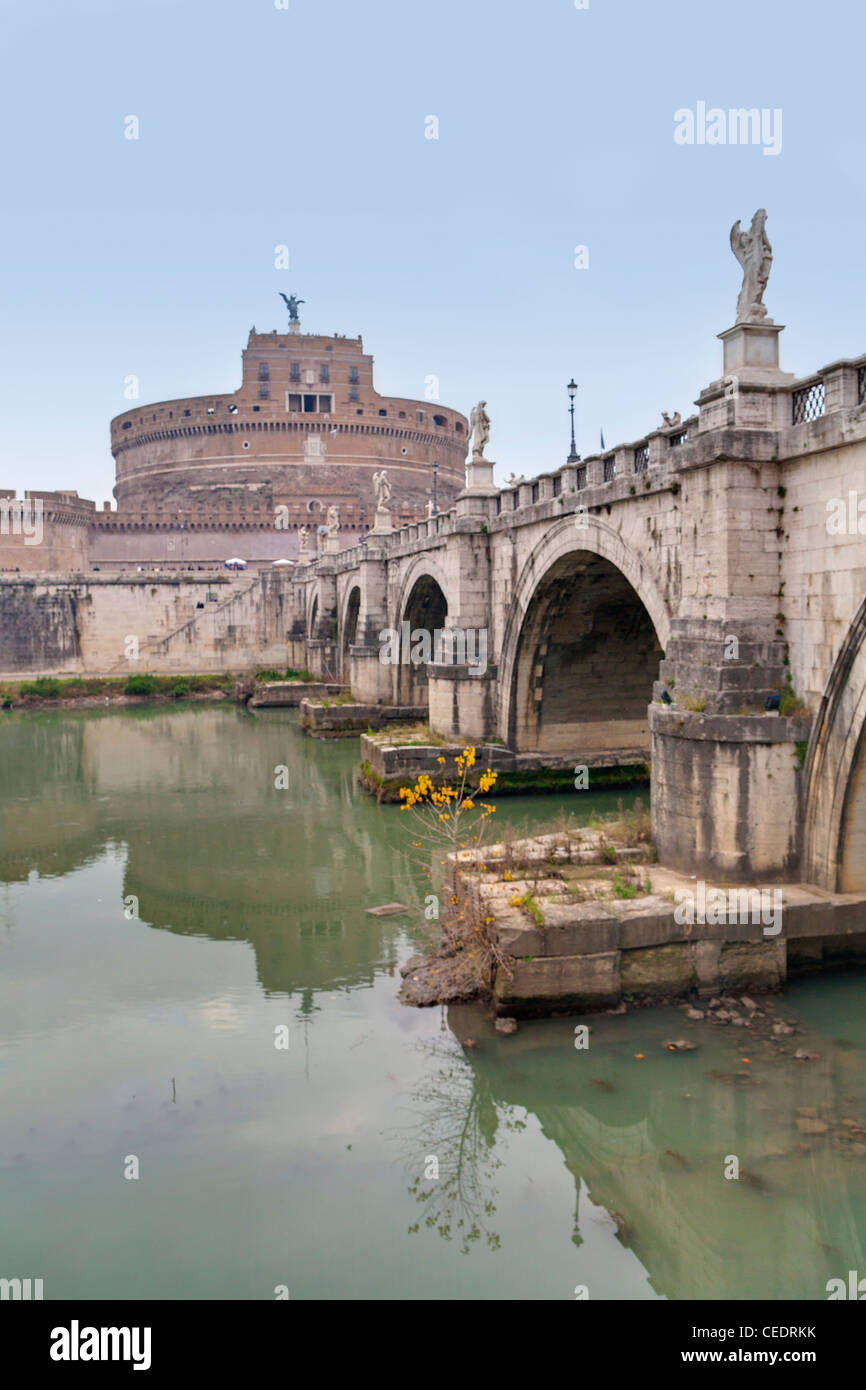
[654, 597]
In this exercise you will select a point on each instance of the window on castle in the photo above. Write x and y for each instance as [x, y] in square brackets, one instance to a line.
[295, 372]
[264, 393]
[325, 372]
[439, 420]
[354, 395]
[293, 401]
[420, 414]
[353, 376]
[383, 412]
[264, 372]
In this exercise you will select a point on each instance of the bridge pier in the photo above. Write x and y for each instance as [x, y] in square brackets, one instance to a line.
[725, 793]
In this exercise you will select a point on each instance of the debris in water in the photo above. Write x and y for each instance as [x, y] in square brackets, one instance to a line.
[753, 1180]
[386, 910]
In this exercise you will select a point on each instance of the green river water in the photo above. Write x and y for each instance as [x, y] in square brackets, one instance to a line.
[152, 1036]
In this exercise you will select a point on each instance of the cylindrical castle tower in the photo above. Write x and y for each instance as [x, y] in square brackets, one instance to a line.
[306, 430]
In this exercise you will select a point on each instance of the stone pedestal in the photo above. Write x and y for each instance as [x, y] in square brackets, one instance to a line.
[477, 498]
[382, 524]
[753, 393]
[332, 545]
[752, 345]
[479, 474]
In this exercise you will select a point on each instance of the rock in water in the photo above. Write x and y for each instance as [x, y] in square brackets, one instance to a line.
[506, 1025]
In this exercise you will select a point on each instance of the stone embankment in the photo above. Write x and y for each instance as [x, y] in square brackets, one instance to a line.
[347, 719]
[391, 762]
[582, 921]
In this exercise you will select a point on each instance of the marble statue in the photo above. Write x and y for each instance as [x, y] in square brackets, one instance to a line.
[383, 490]
[674, 419]
[514, 481]
[480, 432]
[303, 540]
[333, 521]
[755, 254]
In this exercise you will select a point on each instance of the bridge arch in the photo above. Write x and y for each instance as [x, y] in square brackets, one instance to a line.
[834, 830]
[349, 626]
[423, 604]
[586, 630]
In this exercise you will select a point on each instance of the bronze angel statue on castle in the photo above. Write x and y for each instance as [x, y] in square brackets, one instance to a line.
[292, 305]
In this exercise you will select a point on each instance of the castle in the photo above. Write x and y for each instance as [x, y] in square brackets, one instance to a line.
[207, 478]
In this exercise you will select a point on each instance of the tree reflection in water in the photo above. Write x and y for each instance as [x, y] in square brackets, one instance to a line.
[457, 1123]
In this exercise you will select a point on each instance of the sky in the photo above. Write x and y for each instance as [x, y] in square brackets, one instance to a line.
[307, 126]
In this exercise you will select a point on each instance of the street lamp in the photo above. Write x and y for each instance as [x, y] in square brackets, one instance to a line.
[435, 476]
[571, 388]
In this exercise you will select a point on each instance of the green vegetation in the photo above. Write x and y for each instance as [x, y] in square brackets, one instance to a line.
[623, 889]
[290, 674]
[140, 685]
[533, 909]
[44, 688]
[30, 694]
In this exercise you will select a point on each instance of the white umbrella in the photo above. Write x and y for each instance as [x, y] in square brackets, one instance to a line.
[283, 562]
[236, 561]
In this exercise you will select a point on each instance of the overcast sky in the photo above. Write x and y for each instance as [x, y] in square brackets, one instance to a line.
[454, 256]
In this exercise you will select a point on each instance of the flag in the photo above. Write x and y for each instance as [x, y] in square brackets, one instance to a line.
[601, 432]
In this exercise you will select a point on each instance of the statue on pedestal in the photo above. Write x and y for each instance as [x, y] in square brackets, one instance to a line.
[480, 431]
[333, 521]
[303, 540]
[383, 490]
[755, 254]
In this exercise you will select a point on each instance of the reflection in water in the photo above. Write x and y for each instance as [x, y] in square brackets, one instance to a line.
[154, 1036]
[452, 1147]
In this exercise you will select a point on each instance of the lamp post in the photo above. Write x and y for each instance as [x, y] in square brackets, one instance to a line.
[571, 388]
[435, 476]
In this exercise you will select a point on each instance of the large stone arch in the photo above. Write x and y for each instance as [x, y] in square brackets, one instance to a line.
[834, 830]
[427, 563]
[599, 555]
[423, 604]
[349, 613]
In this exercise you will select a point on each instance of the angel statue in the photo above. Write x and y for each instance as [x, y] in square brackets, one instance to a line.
[383, 490]
[755, 254]
[303, 540]
[480, 431]
[292, 305]
[333, 521]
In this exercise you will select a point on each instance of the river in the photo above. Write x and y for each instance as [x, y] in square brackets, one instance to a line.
[166, 912]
